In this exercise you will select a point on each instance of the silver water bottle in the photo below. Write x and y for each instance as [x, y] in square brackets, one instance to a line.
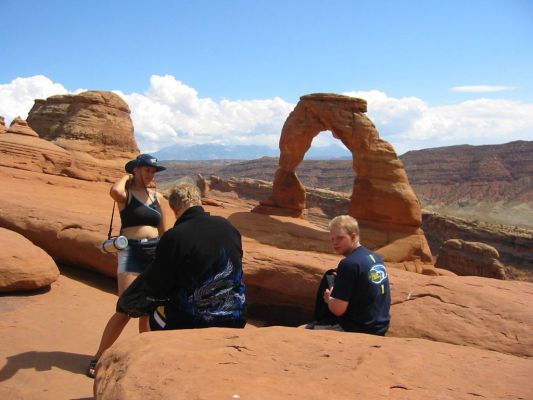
[115, 244]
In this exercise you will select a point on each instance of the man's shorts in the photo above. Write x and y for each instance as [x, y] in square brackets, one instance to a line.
[157, 319]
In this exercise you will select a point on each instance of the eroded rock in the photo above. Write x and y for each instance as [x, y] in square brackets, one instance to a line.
[24, 266]
[94, 126]
[382, 199]
[281, 363]
[33, 154]
[470, 258]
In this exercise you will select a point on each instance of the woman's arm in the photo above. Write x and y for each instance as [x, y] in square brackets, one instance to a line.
[118, 191]
[162, 228]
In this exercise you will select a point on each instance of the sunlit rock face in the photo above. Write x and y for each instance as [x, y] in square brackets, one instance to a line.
[470, 258]
[95, 126]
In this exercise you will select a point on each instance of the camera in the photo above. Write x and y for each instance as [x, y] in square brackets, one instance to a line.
[114, 244]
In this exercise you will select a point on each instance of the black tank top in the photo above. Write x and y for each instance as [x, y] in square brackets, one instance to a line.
[136, 213]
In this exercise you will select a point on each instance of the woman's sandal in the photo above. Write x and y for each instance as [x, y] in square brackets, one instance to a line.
[91, 370]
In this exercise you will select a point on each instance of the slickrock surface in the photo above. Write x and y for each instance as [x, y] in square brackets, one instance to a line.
[48, 338]
[33, 154]
[284, 259]
[470, 258]
[24, 266]
[282, 363]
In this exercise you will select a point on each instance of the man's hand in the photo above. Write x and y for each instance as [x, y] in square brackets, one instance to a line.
[336, 306]
[327, 295]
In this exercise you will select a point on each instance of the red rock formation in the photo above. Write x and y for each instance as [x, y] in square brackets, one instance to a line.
[33, 154]
[24, 266]
[20, 127]
[491, 183]
[284, 259]
[285, 363]
[470, 258]
[95, 126]
[382, 199]
[513, 246]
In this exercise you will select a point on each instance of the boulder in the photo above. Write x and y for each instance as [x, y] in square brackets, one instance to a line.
[94, 126]
[281, 363]
[513, 245]
[470, 258]
[24, 266]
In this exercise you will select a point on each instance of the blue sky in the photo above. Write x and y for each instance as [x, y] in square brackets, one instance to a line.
[434, 73]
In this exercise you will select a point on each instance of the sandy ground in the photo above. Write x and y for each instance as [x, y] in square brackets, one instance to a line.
[57, 331]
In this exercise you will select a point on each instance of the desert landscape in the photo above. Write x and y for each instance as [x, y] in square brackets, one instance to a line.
[451, 336]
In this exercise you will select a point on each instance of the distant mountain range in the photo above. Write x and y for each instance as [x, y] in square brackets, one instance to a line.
[244, 152]
[491, 183]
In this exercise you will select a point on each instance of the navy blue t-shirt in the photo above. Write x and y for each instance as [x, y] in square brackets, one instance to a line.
[363, 282]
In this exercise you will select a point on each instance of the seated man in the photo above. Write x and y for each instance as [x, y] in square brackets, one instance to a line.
[196, 278]
[359, 299]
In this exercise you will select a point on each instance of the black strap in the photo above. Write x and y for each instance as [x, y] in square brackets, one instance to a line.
[111, 222]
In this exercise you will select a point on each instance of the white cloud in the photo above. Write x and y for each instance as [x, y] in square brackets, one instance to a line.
[171, 112]
[18, 96]
[410, 123]
[481, 88]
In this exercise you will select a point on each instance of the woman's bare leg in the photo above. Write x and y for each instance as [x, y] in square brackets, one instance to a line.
[144, 324]
[118, 321]
[112, 331]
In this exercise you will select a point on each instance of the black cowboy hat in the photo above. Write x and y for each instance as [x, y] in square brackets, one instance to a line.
[143, 160]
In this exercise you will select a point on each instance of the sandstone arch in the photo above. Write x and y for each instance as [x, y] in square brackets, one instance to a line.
[382, 198]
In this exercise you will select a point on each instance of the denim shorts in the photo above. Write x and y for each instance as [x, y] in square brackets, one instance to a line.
[138, 256]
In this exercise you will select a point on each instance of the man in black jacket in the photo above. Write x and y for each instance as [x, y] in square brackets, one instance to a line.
[196, 278]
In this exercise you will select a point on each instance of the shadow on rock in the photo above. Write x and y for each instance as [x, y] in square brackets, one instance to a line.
[44, 361]
[282, 234]
[90, 278]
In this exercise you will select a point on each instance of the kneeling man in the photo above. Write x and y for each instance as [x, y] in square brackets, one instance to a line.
[196, 278]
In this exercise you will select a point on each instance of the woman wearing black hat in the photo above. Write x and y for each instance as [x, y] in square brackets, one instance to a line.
[142, 220]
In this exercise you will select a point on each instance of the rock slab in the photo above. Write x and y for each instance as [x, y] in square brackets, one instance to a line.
[282, 363]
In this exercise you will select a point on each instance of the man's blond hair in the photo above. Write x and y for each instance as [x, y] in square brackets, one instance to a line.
[184, 195]
[347, 222]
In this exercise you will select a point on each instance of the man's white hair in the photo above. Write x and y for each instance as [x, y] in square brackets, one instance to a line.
[184, 194]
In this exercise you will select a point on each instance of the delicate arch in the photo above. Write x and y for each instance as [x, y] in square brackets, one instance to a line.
[381, 196]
